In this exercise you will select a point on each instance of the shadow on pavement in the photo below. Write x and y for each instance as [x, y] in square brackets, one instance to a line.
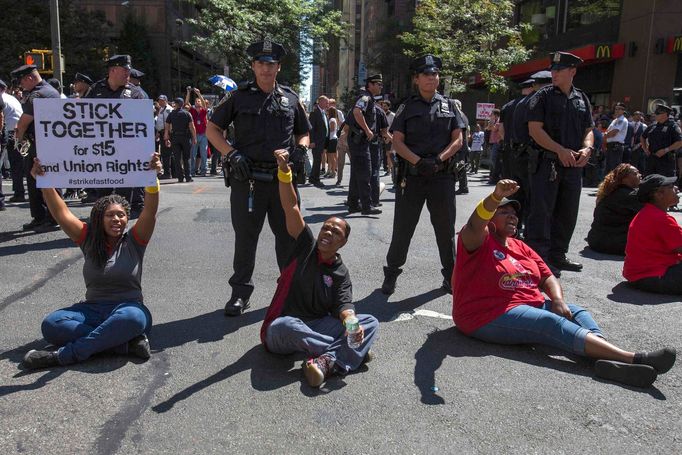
[378, 306]
[624, 293]
[321, 217]
[588, 252]
[54, 244]
[451, 343]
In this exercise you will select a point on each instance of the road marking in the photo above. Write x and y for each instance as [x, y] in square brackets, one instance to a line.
[201, 189]
[428, 313]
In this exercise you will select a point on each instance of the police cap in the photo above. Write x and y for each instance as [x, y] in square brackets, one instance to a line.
[179, 101]
[136, 74]
[650, 184]
[54, 82]
[526, 83]
[120, 60]
[22, 71]
[266, 51]
[542, 77]
[375, 78]
[428, 64]
[663, 109]
[80, 77]
[2, 84]
[561, 60]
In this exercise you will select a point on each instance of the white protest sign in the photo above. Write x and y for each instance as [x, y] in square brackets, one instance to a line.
[483, 110]
[94, 143]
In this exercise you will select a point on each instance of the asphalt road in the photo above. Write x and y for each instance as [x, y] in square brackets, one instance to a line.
[211, 388]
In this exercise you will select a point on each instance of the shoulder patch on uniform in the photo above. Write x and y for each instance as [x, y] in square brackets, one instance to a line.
[534, 100]
[401, 108]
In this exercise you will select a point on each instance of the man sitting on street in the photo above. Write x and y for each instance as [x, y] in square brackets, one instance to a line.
[314, 299]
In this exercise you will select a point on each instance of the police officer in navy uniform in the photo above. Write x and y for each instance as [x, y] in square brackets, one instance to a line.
[376, 149]
[267, 116]
[117, 85]
[33, 87]
[136, 79]
[659, 142]
[361, 122]
[81, 84]
[427, 132]
[520, 143]
[560, 124]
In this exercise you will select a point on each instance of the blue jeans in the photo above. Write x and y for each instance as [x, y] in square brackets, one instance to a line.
[326, 335]
[202, 148]
[85, 329]
[525, 324]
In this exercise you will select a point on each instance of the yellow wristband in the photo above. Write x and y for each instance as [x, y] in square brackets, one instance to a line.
[492, 196]
[484, 213]
[153, 189]
[285, 177]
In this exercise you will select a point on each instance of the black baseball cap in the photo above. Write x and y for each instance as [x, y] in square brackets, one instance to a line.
[650, 184]
[513, 202]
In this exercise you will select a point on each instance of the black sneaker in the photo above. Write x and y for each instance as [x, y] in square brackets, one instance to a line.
[388, 286]
[35, 359]
[625, 373]
[139, 347]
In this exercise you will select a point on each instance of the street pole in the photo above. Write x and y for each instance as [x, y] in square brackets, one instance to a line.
[56, 41]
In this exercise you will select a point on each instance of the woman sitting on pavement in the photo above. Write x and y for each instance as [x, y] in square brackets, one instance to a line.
[498, 284]
[314, 296]
[112, 317]
[653, 255]
[617, 205]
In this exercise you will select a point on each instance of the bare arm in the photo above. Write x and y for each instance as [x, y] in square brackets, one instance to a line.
[402, 149]
[215, 135]
[287, 196]
[541, 137]
[660, 153]
[24, 121]
[551, 286]
[360, 119]
[454, 145]
[144, 227]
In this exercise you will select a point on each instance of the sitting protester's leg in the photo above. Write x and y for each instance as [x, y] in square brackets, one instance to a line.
[670, 283]
[287, 335]
[347, 359]
[69, 324]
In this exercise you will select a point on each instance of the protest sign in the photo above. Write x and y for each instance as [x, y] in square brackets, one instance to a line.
[94, 143]
[483, 110]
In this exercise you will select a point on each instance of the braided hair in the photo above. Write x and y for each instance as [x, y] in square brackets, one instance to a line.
[97, 245]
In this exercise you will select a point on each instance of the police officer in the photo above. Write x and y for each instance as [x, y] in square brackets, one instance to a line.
[116, 85]
[361, 122]
[178, 132]
[462, 155]
[136, 79]
[520, 142]
[427, 132]
[659, 142]
[81, 84]
[560, 124]
[267, 116]
[33, 87]
[376, 149]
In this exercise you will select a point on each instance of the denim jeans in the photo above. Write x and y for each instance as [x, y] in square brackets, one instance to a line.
[85, 329]
[525, 324]
[326, 335]
[202, 148]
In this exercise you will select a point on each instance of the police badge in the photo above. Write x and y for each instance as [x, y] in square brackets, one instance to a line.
[429, 60]
[267, 45]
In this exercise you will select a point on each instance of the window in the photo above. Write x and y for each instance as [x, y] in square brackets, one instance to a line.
[588, 12]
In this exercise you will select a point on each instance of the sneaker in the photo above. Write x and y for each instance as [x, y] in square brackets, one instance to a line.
[625, 373]
[139, 347]
[318, 369]
[35, 359]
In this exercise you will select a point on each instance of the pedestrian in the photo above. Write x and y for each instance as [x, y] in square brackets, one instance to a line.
[494, 146]
[659, 142]
[376, 150]
[160, 127]
[332, 115]
[560, 124]
[12, 113]
[427, 132]
[319, 136]
[477, 141]
[267, 116]
[462, 155]
[33, 87]
[615, 138]
[361, 122]
[498, 298]
[313, 304]
[113, 316]
[117, 86]
[387, 156]
[198, 161]
[638, 158]
[180, 135]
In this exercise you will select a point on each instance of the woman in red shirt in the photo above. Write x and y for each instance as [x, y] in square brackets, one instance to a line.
[498, 286]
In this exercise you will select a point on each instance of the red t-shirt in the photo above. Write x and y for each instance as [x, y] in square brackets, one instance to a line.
[199, 117]
[652, 237]
[494, 279]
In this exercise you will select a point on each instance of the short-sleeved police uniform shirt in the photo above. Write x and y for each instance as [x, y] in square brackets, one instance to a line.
[427, 125]
[179, 120]
[101, 89]
[507, 119]
[564, 118]
[366, 104]
[662, 135]
[263, 122]
[41, 90]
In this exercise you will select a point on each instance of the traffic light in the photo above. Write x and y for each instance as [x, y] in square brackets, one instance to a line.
[35, 58]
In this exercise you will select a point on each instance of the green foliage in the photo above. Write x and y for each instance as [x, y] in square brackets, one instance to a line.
[227, 27]
[134, 40]
[26, 26]
[471, 36]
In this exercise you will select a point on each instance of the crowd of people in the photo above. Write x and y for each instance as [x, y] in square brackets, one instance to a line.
[499, 267]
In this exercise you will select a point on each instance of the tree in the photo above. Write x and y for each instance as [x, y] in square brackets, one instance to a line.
[471, 36]
[227, 27]
[26, 26]
[134, 40]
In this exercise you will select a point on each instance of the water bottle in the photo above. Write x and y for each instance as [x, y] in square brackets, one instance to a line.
[353, 328]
